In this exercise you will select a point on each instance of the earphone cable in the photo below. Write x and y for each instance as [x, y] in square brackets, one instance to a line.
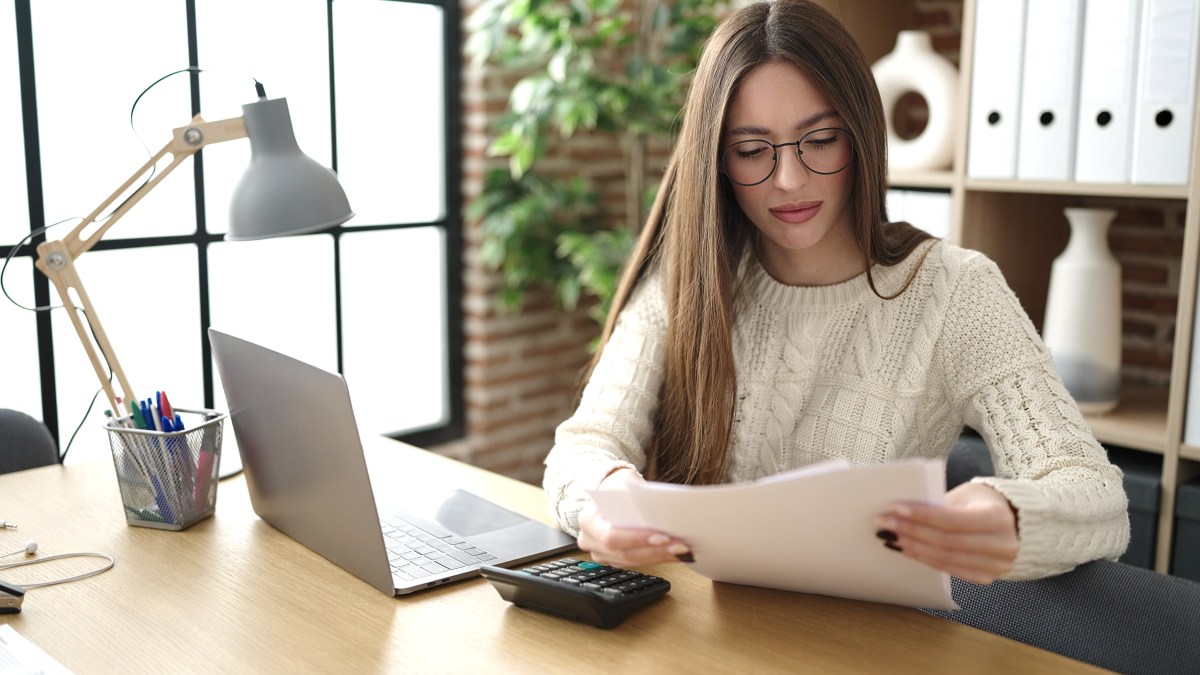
[61, 556]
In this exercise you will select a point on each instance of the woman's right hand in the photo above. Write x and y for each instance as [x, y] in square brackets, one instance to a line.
[626, 546]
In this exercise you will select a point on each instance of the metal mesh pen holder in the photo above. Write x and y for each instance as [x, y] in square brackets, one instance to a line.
[168, 480]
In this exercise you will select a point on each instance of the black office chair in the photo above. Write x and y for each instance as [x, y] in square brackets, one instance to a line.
[1109, 614]
[969, 458]
[25, 442]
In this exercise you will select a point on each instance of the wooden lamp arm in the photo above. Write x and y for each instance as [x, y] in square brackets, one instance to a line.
[56, 259]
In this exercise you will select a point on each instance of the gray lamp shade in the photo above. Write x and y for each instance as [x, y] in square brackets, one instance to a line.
[283, 190]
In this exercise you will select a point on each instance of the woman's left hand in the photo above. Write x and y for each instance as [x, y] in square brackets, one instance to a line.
[972, 535]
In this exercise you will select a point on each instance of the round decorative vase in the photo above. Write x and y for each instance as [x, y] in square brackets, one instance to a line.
[1083, 312]
[914, 67]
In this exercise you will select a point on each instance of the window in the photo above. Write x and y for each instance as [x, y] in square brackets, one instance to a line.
[372, 86]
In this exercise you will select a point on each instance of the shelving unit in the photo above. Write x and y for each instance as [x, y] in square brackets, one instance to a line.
[1020, 225]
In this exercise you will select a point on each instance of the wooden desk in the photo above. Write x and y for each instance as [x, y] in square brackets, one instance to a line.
[231, 594]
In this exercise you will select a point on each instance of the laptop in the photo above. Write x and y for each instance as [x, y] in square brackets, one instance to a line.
[307, 476]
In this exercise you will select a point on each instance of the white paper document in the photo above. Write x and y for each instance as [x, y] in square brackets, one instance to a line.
[19, 656]
[811, 530]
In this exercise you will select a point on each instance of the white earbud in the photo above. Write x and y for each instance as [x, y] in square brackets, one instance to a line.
[30, 549]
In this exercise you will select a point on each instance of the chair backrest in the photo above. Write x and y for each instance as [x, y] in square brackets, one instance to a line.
[1109, 614]
[969, 458]
[25, 442]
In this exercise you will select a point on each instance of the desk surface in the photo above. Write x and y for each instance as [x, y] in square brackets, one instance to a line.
[231, 594]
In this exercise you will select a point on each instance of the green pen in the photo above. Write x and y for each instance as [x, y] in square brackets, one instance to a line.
[136, 416]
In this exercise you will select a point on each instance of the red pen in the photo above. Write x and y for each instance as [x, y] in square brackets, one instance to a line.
[164, 406]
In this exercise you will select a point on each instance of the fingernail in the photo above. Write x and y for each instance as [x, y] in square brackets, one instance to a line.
[901, 510]
[886, 523]
[886, 535]
[678, 549]
[658, 539]
[686, 557]
[892, 545]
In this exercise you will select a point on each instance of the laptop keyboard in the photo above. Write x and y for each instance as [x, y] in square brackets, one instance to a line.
[415, 552]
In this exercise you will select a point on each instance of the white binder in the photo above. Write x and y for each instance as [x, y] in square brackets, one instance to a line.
[995, 88]
[1107, 87]
[1166, 92]
[1050, 90]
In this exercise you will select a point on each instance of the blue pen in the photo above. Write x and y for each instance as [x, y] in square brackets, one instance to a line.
[160, 498]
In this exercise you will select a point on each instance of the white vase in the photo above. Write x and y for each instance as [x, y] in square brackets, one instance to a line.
[913, 66]
[1082, 328]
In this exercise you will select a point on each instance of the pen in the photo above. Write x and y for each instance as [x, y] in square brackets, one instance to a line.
[164, 507]
[136, 416]
[205, 469]
[151, 415]
[164, 404]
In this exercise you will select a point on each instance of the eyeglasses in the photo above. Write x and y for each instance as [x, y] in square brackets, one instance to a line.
[823, 151]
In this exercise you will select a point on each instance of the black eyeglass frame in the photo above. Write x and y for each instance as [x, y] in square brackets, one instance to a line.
[799, 155]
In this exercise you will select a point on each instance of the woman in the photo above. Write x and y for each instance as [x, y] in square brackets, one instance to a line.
[770, 317]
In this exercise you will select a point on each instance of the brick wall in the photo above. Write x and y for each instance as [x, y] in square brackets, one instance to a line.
[522, 367]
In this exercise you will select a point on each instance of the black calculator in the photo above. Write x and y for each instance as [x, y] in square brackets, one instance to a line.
[580, 590]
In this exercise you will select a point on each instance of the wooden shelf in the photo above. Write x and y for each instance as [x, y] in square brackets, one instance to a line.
[1019, 224]
[942, 180]
[1080, 189]
[1139, 420]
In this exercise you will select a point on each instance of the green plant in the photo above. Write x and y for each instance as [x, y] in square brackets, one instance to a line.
[611, 67]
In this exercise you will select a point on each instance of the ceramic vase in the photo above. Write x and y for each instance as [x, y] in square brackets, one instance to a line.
[1082, 328]
[913, 66]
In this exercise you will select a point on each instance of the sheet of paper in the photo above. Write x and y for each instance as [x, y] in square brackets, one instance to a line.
[617, 507]
[19, 656]
[811, 531]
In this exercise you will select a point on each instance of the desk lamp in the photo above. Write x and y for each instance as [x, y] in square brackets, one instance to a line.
[283, 192]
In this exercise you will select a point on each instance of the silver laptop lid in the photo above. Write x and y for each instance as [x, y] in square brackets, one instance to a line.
[302, 454]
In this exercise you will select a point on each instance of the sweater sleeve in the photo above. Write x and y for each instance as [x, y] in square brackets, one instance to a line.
[1070, 500]
[614, 422]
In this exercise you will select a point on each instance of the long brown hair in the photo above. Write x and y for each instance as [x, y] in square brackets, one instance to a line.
[699, 234]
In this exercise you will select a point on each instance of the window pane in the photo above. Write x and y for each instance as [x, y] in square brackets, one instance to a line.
[391, 121]
[20, 387]
[278, 293]
[393, 316]
[15, 223]
[284, 44]
[148, 302]
[91, 63]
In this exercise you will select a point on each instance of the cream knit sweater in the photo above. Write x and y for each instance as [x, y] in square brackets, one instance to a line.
[835, 371]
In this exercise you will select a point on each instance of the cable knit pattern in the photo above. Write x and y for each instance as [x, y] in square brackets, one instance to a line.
[836, 371]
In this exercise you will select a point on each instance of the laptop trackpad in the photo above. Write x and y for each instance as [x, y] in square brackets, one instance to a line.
[466, 515]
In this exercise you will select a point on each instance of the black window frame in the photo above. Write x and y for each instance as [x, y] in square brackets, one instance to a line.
[450, 223]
